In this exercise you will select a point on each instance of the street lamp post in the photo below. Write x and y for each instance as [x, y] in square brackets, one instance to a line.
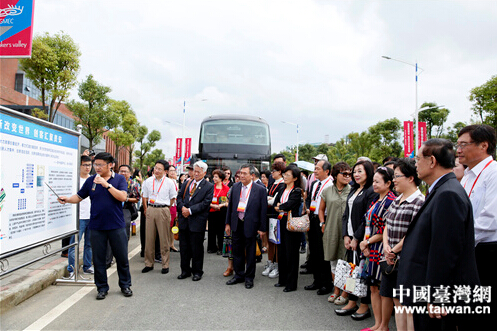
[297, 154]
[415, 65]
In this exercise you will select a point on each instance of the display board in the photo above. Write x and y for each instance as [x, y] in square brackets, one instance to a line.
[34, 153]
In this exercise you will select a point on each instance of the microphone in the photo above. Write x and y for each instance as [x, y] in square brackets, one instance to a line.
[94, 184]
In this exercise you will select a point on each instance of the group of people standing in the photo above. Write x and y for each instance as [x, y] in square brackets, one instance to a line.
[374, 214]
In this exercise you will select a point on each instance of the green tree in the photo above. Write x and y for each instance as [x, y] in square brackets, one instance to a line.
[306, 153]
[453, 131]
[147, 142]
[484, 100]
[126, 128]
[53, 69]
[384, 137]
[93, 114]
[434, 117]
[152, 157]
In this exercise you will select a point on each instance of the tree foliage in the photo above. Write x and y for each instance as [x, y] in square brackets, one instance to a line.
[53, 69]
[147, 142]
[484, 100]
[92, 113]
[125, 127]
[435, 118]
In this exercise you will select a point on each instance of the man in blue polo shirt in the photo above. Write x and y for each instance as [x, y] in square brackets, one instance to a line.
[107, 191]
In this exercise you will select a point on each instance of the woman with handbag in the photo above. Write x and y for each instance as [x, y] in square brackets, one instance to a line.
[217, 213]
[174, 214]
[287, 204]
[372, 244]
[360, 197]
[331, 209]
[399, 216]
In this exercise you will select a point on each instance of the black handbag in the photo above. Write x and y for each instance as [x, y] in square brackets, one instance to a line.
[388, 269]
[134, 211]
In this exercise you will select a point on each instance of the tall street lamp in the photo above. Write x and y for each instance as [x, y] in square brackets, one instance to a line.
[415, 65]
[297, 154]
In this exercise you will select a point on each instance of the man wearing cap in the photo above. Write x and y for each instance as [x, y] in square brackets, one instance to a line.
[193, 204]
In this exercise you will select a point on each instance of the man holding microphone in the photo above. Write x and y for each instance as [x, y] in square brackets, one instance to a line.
[107, 191]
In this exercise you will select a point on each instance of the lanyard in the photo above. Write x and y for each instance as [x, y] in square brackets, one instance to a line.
[321, 189]
[284, 198]
[246, 195]
[474, 183]
[153, 185]
[273, 187]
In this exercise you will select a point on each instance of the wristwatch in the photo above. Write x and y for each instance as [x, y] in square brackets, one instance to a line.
[110, 186]
[367, 241]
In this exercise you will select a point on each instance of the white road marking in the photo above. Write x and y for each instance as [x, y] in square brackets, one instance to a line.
[49, 317]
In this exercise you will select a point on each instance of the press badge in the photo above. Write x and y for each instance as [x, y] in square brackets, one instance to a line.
[214, 201]
[280, 215]
[152, 198]
[313, 206]
[241, 206]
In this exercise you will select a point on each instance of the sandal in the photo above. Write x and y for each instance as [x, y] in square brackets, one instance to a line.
[341, 301]
[332, 298]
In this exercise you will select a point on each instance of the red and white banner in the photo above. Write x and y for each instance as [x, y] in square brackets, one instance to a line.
[179, 143]
[421, 133]
[16, 28]
[408, 139]
[188, 150]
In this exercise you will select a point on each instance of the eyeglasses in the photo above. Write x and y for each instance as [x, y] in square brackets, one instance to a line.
[86, 165]
[99, 165]
[398, 176]
[345, 174]
[463, 145]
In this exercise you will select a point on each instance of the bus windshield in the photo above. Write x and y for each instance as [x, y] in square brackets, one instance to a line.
[234, 132]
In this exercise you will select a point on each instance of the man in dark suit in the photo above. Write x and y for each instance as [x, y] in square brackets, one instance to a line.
[245, 217]
[439, 246]
[193, 203]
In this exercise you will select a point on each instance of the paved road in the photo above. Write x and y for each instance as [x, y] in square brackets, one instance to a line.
[166, 303]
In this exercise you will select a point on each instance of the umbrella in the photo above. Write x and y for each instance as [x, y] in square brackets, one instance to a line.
[305, 165]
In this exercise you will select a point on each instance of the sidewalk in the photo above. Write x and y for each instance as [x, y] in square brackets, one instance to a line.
[26, 282]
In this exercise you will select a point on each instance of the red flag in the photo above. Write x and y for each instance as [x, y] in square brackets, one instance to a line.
[421, 133]
[408, 139]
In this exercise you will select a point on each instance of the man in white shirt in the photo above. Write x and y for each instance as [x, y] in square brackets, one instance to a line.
[158, 195]
[320, 268]
[84, 220]
[475, 147]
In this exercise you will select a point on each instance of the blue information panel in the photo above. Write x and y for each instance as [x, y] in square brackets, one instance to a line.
[33, 154]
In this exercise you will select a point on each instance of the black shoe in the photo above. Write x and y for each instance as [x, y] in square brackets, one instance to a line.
[324, 290]
[258, 259]
[164, 271]
[345, 312]
[287, 289]
[234, 281]
[305, 272]
[184, 275]
[127, 292]
[147, 269]
[303, 266]
[249, 284]
[279, 285]
[101, 295]
[360, 317]
[211, 251]
[173, 249]
[311, 287]
[196, 278]
[219, 253]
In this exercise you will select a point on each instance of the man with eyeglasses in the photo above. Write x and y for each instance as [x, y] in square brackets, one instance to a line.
[159, 193]
[475, 147]
[129, 207]
[439, 245]
[84, 220]
[107, 191]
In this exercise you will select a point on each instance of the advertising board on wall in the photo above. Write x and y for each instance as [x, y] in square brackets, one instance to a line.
[35, 157]
[16, 28]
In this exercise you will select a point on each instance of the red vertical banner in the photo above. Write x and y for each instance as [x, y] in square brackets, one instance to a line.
[179, 143]
[408, 139]
[421, 133]
[188, 150]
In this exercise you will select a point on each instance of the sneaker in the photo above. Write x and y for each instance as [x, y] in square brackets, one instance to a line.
[158, 260]
[89, 271]
[341, 301]
[268, 268]
[71, 275]
[274, 273]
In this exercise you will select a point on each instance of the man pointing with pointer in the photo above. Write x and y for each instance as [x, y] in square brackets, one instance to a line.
[107, 191]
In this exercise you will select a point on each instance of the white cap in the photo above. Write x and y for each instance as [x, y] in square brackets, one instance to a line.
[202, 165]
[320, 157]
